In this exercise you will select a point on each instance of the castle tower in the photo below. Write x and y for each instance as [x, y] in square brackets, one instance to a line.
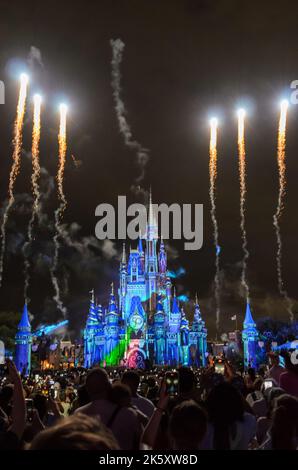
[249, 337]
[123, 282]
[162, 259]
[23, 340]
[151, 262]
[93, 325]
[111, 331]
[141, 253]
[198, 337]
[184, 337]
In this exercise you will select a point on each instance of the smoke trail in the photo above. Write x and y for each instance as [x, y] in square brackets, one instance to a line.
[35, 188]
[59, 211]
[212, 177]
[16, 156]
[242, 176]
[281, 156]
[141, 153]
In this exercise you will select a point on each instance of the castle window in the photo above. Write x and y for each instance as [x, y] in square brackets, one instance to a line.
[134, 278]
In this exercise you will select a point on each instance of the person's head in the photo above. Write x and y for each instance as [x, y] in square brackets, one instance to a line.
[120, 394]
[258, 384]
[187, 380]
[76, 432]
[83, 397]
[132, 379]
[284, 428]
[251, 373]
[187, 425]
[225, 406]
[6, 393]
[97, 384]
[40, 404]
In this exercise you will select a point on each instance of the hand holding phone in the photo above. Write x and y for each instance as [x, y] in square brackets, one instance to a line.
[172, 384]
[30, 409]
[219, 366]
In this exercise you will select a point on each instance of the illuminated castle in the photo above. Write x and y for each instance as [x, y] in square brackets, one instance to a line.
[146, 321]
[250, 338]
[23, 340]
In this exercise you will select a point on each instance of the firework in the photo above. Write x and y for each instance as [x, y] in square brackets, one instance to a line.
[62, 142]
[212, 188]
[281, 162]
[142, 154]
[35, 188]
[16, 157]
[242, 177]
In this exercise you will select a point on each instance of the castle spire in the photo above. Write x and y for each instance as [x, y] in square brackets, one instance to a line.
[152, 229]
[248, 321]
[23, 340]
[92, 296]
[92, 318]
[123, 260]
[112, 303]
[24, 324]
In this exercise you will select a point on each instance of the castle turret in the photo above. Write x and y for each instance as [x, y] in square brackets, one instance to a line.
[184, 349]
[23, 340]
[198, 337]
[112, 331]
[162, 259]
[249, 337]
[93, 327]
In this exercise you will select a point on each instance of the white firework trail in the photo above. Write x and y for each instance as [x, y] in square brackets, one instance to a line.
[60, 210]
[281, 162]
[212, 195]
[35, 188]
[121, 112]
[16, 157]
[242, 177]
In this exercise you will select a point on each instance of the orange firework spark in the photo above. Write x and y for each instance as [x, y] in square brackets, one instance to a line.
[242, 177]
[35, 186]
[59, 212]
[16, 156]
[281, 162]
[212, 177]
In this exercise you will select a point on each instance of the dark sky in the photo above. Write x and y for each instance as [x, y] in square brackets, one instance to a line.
[183, 61]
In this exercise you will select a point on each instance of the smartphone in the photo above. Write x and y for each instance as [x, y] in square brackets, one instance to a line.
[30, 409]
[219, 366]
[268, 384]
[172, 383]
[3, 371]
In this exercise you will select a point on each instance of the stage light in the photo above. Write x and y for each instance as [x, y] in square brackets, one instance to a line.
[63, 108]
[241, 113]
[24, 78]
[284, 104]
[213, 122]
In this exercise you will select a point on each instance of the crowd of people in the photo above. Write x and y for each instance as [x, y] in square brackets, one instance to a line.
[127, 409]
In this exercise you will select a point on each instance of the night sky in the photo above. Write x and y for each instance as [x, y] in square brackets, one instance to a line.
[183, 62]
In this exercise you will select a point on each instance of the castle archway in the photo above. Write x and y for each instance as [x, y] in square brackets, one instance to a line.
[136, 359]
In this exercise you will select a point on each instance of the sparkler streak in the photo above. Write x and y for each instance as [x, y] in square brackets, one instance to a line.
[35, 188]
[15, 169]
[281, 162]
[242, 178]
[212, 187]
[60, 210]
